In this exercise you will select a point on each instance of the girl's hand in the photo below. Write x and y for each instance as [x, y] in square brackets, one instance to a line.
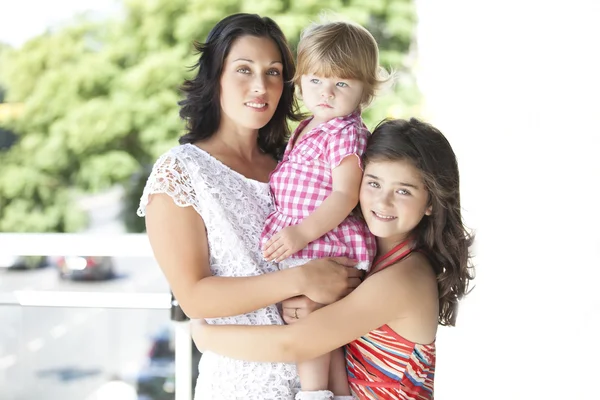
[327, 280]
[285, 243]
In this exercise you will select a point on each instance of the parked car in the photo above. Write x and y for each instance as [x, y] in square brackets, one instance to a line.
[85, 267]
[23, 262]
[156, 379]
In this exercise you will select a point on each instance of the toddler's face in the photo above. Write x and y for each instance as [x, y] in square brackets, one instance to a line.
[332, 97]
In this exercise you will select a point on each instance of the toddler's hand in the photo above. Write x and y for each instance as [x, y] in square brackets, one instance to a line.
[283, 244]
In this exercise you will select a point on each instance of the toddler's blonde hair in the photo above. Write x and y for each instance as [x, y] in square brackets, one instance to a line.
[342, 49]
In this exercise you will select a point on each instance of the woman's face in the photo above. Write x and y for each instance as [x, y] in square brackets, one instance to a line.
[393, 199]
[251, 82]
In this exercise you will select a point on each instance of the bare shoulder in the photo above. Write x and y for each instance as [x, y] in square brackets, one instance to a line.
[412, 276]
[414, 266]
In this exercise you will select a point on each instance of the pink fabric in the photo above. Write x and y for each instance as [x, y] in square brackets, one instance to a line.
[303, 180]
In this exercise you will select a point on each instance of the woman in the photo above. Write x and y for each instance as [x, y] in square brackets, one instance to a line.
[206, 202]
[410, 200]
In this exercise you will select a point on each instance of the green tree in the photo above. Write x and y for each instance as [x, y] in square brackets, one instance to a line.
[100, 98]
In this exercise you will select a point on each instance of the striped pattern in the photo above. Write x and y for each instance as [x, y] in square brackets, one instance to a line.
[384, 365]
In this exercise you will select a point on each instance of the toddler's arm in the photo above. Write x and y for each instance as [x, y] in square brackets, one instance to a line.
[332, 211]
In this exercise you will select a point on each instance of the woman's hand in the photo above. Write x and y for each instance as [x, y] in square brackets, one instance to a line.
[297, 308]
[285, 243]
[329, 279]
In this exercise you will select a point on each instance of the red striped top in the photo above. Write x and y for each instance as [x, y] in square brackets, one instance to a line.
[384, 365]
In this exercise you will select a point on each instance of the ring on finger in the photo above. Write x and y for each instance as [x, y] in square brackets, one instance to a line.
[296, 313]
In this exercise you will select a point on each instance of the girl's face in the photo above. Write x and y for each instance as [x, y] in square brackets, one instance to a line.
[251, 82]
[328, 98]
[393, 199]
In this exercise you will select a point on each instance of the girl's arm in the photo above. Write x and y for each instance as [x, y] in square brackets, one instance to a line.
[382, 298]
[331, 212]
[180, 245]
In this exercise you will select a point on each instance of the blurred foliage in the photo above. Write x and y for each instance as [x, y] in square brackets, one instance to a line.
[100, 98]
[131, 199]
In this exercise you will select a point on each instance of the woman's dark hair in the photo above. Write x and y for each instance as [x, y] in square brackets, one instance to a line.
[201, 108]
[442, 235]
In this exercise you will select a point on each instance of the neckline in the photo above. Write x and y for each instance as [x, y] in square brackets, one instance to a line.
[234, 172]
[401, 338]
[293, 141]
[396, 254]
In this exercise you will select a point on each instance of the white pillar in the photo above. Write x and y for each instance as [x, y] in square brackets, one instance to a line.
[514, 86]
[183, 361]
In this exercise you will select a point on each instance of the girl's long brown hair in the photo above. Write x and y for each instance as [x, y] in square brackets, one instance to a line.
[442, 235]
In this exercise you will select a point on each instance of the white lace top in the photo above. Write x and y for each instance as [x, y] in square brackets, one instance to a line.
[234, 209]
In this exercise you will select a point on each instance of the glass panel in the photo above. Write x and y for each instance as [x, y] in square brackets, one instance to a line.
[84, 273]
[74, 353]
[10, 373]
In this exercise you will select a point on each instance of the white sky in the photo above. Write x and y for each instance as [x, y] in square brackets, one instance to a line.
[21, 20]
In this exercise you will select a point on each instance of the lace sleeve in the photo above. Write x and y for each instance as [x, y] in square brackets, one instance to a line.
[169, 176]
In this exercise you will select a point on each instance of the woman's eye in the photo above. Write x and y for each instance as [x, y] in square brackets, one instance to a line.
[274, 72]
[403, 192]
[314, 80]
[341, 84]
[373, 184]
[244, 70]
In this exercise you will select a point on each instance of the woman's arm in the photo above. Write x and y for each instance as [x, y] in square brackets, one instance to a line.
[180, 245]
[331, 212]
[382, 298]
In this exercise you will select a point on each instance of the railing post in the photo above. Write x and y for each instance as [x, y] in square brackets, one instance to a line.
[183, 361]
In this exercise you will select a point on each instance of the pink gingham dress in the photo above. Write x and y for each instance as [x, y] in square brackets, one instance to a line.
[303, 180]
